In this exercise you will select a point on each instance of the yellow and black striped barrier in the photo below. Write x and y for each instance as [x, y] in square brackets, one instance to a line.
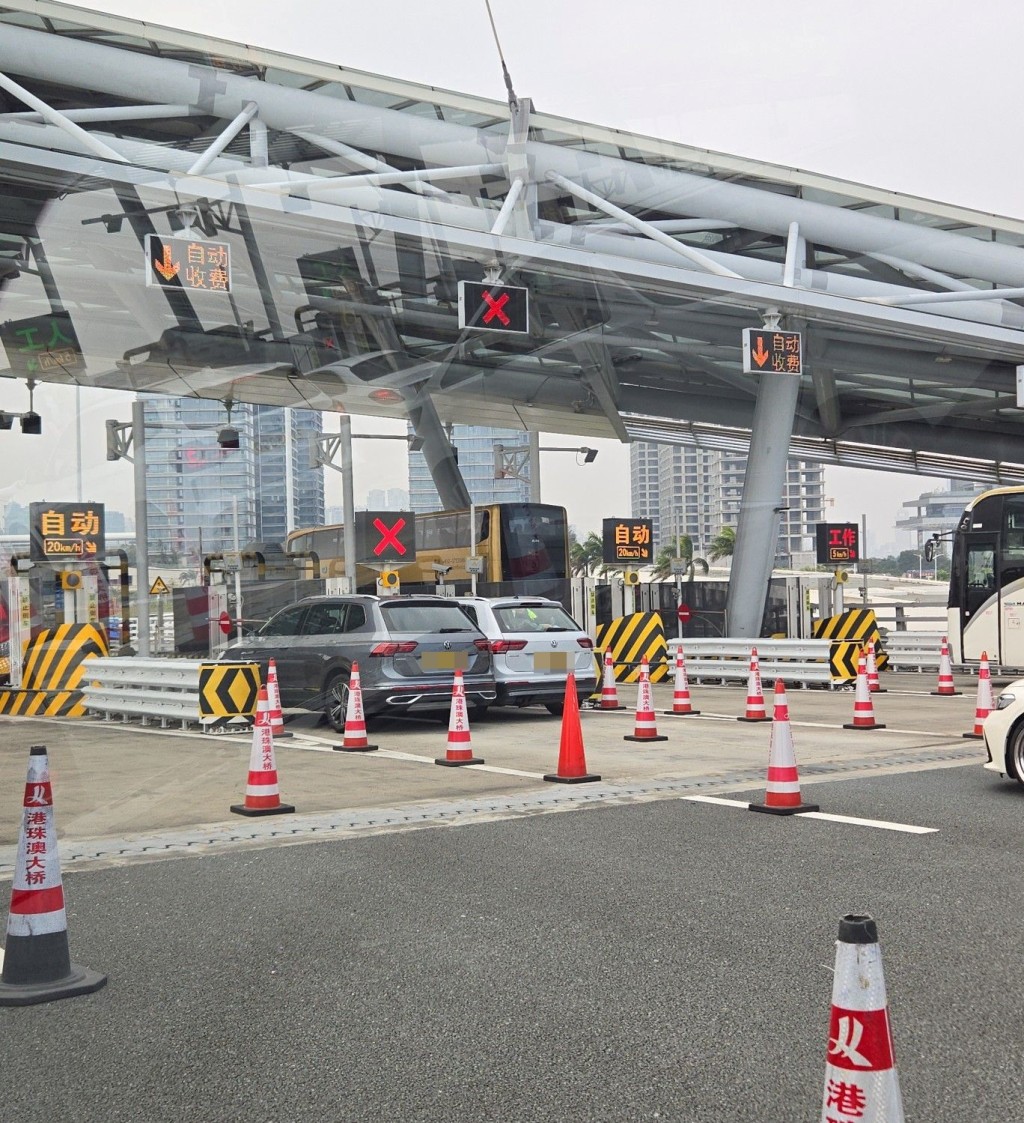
[52, 670]
[630, 638]
[849, 631]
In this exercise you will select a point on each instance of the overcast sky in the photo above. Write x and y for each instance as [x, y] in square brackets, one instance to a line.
[919, 96]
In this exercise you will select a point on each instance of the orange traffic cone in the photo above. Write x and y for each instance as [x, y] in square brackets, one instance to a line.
[946, 687]
[782, 793]
[755, 710]
[873, 684]
[645, 726]
[37, 963]
[609, 695]
[681, 689]
[262, 795]
[354, 738]
[860, 1073]
[572, 761]
[863, 710]
[986, 703]
[460, 750]
[274, 700]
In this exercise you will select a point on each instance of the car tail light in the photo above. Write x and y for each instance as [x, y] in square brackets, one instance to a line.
[482, 644]
[393, 648]
[585, 641]
[503, 646]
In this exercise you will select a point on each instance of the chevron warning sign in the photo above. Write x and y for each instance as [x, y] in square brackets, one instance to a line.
[849, 631]
[630, 638]
[228, 690]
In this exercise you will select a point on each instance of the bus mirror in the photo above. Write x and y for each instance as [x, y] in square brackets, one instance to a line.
[929, 550]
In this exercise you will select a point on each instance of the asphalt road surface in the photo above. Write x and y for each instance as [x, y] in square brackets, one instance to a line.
[662, 959]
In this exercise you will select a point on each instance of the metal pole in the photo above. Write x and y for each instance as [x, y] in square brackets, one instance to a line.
[141, 529]
[864, 555]
[348, 500]
[534, 445]
[238, 569]
[472, 545]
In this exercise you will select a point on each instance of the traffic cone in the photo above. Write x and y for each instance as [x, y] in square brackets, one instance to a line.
[681, 690]
[262, 796]
[782, 793]
[572, 761]
[354, 739]
[863, 710]
[274, 700]
[460, 750]
[946, 686]
[860, 1073]
[609, 695]
[873, 684]
[37, 963]
[755, 710]
[986, 703]
[645, 726]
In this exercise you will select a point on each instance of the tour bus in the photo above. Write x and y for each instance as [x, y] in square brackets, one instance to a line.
[523, 547]
[986, 585]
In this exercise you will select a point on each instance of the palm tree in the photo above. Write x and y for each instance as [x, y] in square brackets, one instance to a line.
[683, 549]
[723, 544]
[585, 556]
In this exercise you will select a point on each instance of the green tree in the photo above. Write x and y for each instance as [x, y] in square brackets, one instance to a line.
[586, 556]
[723, 544]
[682, 548]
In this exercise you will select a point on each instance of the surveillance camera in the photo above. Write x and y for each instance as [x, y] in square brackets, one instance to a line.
[31, 423]
[441, 570]
[228, 437]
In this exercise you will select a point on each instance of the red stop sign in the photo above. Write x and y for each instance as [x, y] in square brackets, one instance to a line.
[683, 613]
[225, 622]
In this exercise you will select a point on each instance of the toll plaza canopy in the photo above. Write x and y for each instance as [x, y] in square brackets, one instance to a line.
[189, 216]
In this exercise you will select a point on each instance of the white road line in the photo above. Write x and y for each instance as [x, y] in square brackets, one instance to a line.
[879, 823]
[393, 754]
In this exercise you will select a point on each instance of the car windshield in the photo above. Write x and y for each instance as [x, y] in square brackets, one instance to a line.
[425, 618]
[535, 618]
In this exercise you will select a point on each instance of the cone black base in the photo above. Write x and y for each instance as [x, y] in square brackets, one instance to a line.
[656, 737]
[446, 763]
[79, 980]
[588, 778]
[874, 725]
[251, 812]
[754, 719]
[973, 736]
[946, 693]
[798, 810]
[608, 709]
[880, 690]
[355, 748]
[680, 713]
[279, 736]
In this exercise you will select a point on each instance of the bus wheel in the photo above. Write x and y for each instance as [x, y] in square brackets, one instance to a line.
[1015, 754]
[336, 702]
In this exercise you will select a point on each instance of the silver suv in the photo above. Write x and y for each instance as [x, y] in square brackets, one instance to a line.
[535, 644]
[407, 648]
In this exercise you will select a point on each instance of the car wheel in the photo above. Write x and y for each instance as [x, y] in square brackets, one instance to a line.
[556, 709]
[1015, 754]
[478, 713]
[336, 702]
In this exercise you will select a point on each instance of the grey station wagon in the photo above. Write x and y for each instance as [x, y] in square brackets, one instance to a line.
[407, 648]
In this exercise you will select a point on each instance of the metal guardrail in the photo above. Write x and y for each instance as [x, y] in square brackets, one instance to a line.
[794, 661]
[154, 690]
[917, 651]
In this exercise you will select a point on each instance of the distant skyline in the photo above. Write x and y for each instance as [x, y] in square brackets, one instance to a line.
[913, 97]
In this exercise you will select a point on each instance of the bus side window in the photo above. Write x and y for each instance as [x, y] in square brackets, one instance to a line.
[484, 531]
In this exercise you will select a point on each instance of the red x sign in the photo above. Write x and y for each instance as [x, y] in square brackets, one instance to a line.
[389, 536]
[494, 308]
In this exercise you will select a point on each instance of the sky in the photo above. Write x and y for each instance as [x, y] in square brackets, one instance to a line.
[917, 97]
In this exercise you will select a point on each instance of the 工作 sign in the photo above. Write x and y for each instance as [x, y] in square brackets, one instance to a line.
[66, 530]
[837, 542]
[385, 536]
[627, 542]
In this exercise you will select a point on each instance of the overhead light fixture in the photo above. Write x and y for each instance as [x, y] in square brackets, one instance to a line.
[228, 437]
[589, 455]
[385, 397]
[6, 420]
[31, 423]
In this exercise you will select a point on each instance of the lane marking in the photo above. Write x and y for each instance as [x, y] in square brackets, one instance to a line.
[325, 746]
[881, 824]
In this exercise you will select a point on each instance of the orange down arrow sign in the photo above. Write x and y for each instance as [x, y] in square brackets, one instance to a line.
[165, 268]
[759, 354]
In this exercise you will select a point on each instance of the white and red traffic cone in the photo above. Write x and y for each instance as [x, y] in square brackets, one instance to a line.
[681, 706]
[274, 700]
[863, 708]
[873, 684]
[572, 759]
[645, 726]
[262, 793]
[460, 748]
[861, 1082]
[782, 792]
[609, 695]
[354, 737]
[755, 710]
[946, 687]
[37, 963]
[985, 703]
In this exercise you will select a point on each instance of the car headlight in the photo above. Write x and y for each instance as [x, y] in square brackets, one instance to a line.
[1005, 699]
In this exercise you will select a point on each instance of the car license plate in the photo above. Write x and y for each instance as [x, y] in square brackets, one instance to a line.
[550, 661]
[445, 660]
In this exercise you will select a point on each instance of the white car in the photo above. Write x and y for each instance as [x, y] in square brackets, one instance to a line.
[1003, 730]
[535, 643]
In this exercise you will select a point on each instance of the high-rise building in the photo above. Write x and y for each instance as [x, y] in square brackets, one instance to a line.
[937, 512]
[199, 494]
[475, 446]
[697, 492]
